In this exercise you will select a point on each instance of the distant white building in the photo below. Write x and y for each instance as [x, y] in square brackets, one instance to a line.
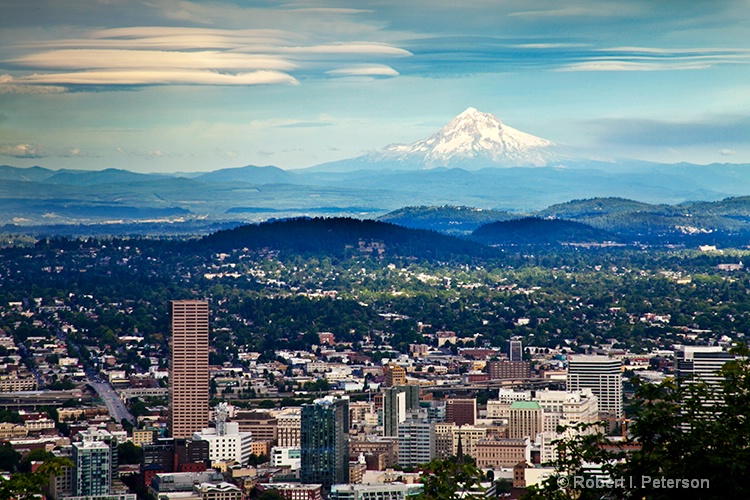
[500, 408]
[567, 407]
[226, 442]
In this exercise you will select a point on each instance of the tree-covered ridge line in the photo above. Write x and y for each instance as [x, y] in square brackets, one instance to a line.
[692, 223]
[536, 231]
[344, 236]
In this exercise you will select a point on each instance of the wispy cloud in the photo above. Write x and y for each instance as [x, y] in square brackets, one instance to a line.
[153, 55]
[615, 65]
[307, 125]
[657, 59]
[158, 77]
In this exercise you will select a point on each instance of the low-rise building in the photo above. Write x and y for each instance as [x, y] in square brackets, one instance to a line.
[226, 442]
[495, 452]
[295, 491]
[218, 491]
[390, 491]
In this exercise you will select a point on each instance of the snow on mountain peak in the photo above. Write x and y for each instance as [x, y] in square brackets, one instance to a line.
[473, 137]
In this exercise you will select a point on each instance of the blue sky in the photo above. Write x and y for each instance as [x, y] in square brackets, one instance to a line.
[172, 85]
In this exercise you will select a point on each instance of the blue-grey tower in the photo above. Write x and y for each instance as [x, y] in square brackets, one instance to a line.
[324, 441]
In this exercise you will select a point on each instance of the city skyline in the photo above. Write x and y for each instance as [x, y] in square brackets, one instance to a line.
[197, 86]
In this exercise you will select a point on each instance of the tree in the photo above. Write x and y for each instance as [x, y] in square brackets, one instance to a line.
[9, 458]
[31, 485]
[270, 494]
[450, 479]
[10, 416]
[128, 453]
[39, 455]
[255, 460]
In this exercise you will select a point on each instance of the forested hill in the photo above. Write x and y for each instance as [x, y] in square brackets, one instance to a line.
[447, 218]
[536, 231]
[343, 237]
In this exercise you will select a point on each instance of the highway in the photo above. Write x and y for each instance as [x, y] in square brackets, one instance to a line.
[116, 408]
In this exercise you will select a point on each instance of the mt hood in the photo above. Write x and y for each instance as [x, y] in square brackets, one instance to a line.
[472, 140]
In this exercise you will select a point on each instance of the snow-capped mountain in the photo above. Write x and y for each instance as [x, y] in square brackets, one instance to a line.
[473, 137]
[472, 140]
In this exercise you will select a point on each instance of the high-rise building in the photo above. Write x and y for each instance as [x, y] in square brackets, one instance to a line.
[92, 475]
[444, 439]
[461, 411]
[324, 440]
[525, 420]
[188, 367]
[397, 401]
[700, 363]
[515, 350]
[103, 436]
[394, 410]
[601, 374]
[288, 426]
[416, 440]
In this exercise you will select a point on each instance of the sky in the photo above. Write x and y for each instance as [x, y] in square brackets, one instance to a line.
[180, 86]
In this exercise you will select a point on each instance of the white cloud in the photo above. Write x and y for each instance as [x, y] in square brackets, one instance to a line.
[727, 152]
[367, 70]
[21, 150]
[141, 59]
